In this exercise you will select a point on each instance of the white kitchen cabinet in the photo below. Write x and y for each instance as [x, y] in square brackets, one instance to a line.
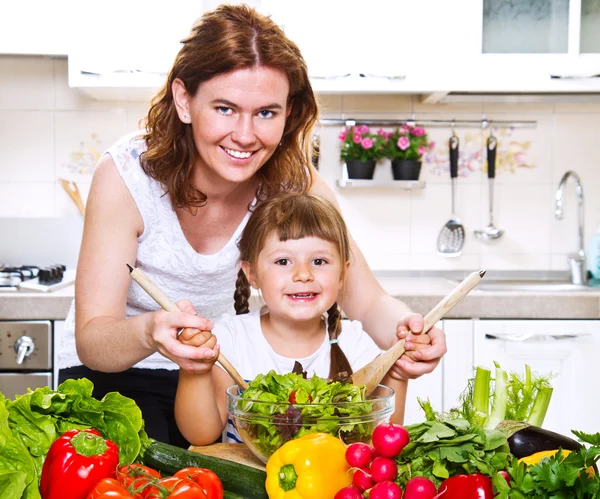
[36, 27]
[569, 349]
[457, 364]
[429, 387]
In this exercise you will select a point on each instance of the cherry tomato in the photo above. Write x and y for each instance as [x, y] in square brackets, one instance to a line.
[109, 488]
[208, 480]
[135, 477]
[179, 488]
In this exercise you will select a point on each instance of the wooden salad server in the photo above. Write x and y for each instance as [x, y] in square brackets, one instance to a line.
[166, 304]
[372, 374]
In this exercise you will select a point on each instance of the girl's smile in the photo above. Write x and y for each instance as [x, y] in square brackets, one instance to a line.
[299, 278]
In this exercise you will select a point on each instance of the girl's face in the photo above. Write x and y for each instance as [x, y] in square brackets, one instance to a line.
[237, 119]
[299, 279]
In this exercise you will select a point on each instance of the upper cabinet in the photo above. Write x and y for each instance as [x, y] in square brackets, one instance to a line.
[36, 27]
[432, 47]
[530, 46]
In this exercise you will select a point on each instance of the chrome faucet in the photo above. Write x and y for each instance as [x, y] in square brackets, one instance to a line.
[576, 260]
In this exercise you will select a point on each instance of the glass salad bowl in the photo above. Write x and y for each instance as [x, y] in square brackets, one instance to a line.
[265, 424]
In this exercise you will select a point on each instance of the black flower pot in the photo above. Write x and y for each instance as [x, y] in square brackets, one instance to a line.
[358, 169]
[406, 169]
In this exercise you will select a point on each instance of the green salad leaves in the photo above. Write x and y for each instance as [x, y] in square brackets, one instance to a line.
[440, 448]
[31, 422]
[319, 406]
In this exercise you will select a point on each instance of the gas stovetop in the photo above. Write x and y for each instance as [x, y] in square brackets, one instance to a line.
[32, 277]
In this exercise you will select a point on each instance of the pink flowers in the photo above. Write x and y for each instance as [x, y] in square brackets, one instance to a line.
[359, 143]
[367, 143]
[403, 143]
[406, 142]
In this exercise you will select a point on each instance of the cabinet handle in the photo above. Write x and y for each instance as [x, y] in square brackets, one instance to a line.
[331, 77]
[535, 337]
[573, 76]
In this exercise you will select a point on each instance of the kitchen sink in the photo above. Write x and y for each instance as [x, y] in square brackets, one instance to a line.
[530, 285]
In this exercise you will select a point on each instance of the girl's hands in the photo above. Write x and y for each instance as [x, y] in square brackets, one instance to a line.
[423, 351]
[194, 351]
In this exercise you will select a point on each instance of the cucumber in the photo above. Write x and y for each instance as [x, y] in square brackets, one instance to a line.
[236, 477]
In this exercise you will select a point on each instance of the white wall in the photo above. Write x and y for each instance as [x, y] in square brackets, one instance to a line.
[48, 130]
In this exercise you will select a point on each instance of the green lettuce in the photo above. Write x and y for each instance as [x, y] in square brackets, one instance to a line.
[278, 421]
[34, 420]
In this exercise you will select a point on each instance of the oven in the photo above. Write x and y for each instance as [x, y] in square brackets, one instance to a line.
[26, 356]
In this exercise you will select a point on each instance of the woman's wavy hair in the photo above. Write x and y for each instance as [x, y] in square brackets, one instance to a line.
[295, 216]
[226, 39]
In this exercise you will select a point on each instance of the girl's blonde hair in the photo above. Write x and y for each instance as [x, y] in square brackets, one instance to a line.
[226, 39]
[295, 216]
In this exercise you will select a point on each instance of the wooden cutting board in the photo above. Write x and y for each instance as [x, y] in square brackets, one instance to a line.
[238, 453]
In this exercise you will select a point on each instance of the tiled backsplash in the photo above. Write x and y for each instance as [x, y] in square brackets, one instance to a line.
[48, 131]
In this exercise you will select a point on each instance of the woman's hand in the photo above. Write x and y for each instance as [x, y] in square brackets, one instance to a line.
[192, 351]
[423, 351]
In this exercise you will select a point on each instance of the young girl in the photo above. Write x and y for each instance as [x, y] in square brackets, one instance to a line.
[295, 250]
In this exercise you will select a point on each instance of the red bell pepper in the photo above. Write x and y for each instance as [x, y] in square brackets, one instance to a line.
[76, 462]
[475, 486]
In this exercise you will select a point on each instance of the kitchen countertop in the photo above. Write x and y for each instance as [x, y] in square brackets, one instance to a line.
[419, 290]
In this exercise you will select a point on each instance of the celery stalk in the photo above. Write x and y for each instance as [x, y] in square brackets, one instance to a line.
[540, 406]
[481, 394]
[500, 398]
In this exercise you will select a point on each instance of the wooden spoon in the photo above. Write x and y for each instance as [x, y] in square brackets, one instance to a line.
[372, 374]
[159, 297]
[74, 194]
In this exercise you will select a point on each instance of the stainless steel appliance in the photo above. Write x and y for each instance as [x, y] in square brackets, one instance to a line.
[26, 356]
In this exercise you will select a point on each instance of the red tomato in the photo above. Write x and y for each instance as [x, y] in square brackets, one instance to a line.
[208, 480]
[108, 488]
[179, 488]
[135, 476]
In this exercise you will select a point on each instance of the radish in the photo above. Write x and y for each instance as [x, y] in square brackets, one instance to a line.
[362, 479]
[505, 475]
[389, 439]
[420, 487]
[384, 469]
[385, 490]
[359, 455]
[349, 492]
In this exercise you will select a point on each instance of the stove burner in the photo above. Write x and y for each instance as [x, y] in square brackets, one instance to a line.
[11, 277]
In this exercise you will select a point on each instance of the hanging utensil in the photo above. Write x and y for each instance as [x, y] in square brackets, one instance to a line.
[490, 232]
[166, 304]
[452, 236]
[372, 374]
[74, 194]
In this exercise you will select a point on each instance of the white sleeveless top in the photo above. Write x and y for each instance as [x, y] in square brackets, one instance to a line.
[165, 256]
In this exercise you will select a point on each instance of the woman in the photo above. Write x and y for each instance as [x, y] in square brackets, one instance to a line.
[230, 128]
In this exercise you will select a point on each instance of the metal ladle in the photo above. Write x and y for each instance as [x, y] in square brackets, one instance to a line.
[490, 232]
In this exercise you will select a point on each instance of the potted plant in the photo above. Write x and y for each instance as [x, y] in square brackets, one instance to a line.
[405, 147]
[360, 150]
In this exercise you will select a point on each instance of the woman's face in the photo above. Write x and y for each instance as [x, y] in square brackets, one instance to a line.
[238, 120]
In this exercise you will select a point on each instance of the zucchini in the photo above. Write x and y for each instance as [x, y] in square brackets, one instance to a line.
[236, 477]
[525, 439]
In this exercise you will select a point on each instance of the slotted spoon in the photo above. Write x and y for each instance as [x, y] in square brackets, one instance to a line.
[452, 236]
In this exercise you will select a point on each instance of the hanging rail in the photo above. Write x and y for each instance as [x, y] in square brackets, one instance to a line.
[484, 123]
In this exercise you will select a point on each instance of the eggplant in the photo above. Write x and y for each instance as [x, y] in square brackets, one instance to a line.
[525, 439]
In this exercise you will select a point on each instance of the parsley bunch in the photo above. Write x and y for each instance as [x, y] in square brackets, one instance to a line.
[572, 477]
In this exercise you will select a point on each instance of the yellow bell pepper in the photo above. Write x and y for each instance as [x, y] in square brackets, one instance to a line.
[538, 456]
[310, 467]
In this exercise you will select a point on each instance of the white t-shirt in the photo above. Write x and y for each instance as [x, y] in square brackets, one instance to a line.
[242, 342]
